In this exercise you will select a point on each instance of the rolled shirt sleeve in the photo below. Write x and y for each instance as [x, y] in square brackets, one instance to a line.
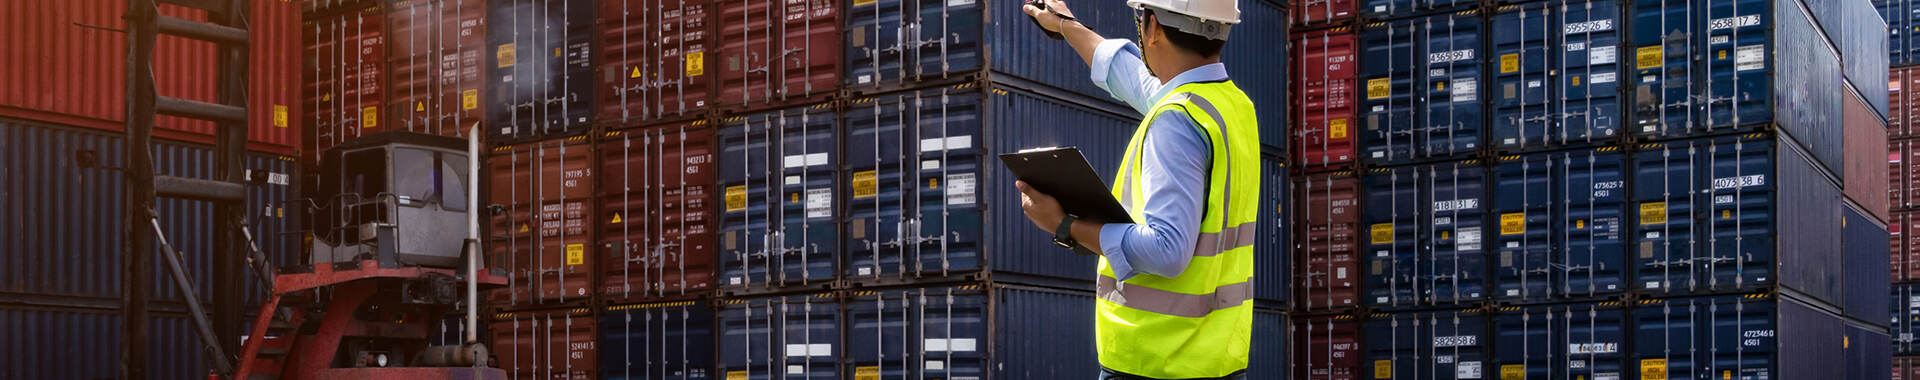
[1174, 171]
[1118, 69]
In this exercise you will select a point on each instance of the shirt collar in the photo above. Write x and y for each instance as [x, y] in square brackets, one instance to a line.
[1213, 72]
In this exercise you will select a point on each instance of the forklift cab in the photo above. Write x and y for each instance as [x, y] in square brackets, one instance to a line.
[395, 191]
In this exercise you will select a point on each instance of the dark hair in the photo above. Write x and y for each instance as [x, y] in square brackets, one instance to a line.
[1192, 43]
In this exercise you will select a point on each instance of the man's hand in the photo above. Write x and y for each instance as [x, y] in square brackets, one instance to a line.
[1049, 18]
[1041, 208]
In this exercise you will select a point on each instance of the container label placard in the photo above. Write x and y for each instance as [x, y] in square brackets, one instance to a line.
[1337, 128]
[1383, 369]
[576, 254]
[960, 189]
[1513, 223]
[1592, 348]
[1378, 88]
[1751, 57]
[1733, 22]
[1739, 182]
[1653, 213]
[503, 57]
[1600, 55]
[370, 117]
[1456, 205]
[1648, 57]
[736, 375]
[819, 203]
[1465, 89]
[866, 372]
[865, 184]
[1467, 370]
[696, 64]
[1450, 56]
[1509, 63]
[1513, 372]
[736, 198]
[1383, 233]
[1653, 369]
[469, 99]
[279, 116]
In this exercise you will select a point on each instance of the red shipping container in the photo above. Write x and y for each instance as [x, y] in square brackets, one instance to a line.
[1326, 249]
[1316, 12]
[1324, 100]
[545, 191]
[1910, 169]
[1899, 259]
[345, 55]
[58, 69]
[1865, 136]
[656, 198]
[435, 51]
[546, 345]
[1897, 102]
[1897, 180]
[777, 52]
[1325, 348]
[653, 59]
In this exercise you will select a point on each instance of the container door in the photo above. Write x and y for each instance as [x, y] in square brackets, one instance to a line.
[1395, 344]
[1742, 195]
[880, 178]
[1328, 249]
[1389, 72]
[1589, 57]
[1592, 222]
[436, 68]
[1665, 75]
[1666, 339]
[747, 248]
[564, 194]
[1328, 348]
[1739, 38]
[510, 233]
[660, 341]
[946, 229]
[541, 75]
[810, 330]
[1454, 121]
[1742, 340]
[1524, 79]
[875, 42]
[945, 38]
[809, 233]
[952, 327]
[344, 92]
[879, 340]
[1594, 340]
[1664, 183]
[749, 342]
[653, 59]
[1394, 213]
[1524, 208]
[1456, 265]
[1325, 98]
[655, 225]
[1523, 343]
[1457, 346]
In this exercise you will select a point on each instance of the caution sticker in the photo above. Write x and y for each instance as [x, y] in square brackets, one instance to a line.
[576, 254]
[736, 375]
[279, 116]
[1649, 57]
[1383, 233]
[469, 99]
[1509, 63]
[866, 372]
[696, 64]
[865, 184]
[369, 117]
[858, 3]
[1383, 369]
[1653, 369]
[1513, 223]
[736, 198]
[1513, 372]
[615, 219]
[503, 55]
[1653, 213]
[1379, 88]
[1337, 128]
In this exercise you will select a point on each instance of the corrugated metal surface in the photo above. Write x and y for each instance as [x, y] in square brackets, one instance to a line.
[1422, 98]
[1260, 68]
[653, 59]
[880, 333]
[1313, 12]
[1736, 212]
[1267, 358]
[783, 337]
[1523, 41]
[1557, 76]
[59, 71]
[1324, 98]
[1560, 218]
[1900, 102]
[1426, 226]
[1904, 260]
[669, 340]
[1865, 179]
[541, 236]
[1748, 337]
[343, 79]
[657, 233]
[1860, 34]
[780, 218]
[540, 84]
[434, 58]
[1900, 19]
[72, 249]
[1903, 368]
[896, 43]
[1576, 341]
[1272, 253]
[1867, 354]
[1440, 345]
[1525, 208]
[1389, 8]
[1904, 318]
[1866, 273]
[1898, 180]
[1326, 348]
[1327, 246]
[74, 344]
[550, 344]
[775, 52]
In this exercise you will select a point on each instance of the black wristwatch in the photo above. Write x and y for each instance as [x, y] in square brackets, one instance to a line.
[1063, 235]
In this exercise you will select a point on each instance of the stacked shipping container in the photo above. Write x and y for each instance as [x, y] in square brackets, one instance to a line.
[1898, 211]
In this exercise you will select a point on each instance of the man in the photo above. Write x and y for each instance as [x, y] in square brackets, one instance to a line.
[1175, 300]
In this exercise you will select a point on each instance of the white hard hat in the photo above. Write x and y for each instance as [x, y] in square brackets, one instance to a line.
[1206, 18]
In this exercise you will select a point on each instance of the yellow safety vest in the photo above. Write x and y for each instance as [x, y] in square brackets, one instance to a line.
[1199, 324]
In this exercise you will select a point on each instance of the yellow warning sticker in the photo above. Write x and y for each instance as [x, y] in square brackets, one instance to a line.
[1653, 369]
[1509, 63]
[419, 106]
[858, 3]
[736, 375]
[327, 97]
[796, 198]
[1649, 57]
[615, 219]
[469, 99]
[576, 254]
[1722, 54]
[866, 372]
[523, 227]
[1378, 88]
[369, 117]
[1383, 369]
[635, 73]
[1653, 213]
[556, 52]
[1513, 372]
[1726, 374]
[933, 184]
[1579, 224]
[1382, 233]
[1726, 214]
[736, 198]
[503, 55]
[1576, 80]
[1337, 128]
[696, 64]
[279, 116]
[1513, 223]
[865, 185]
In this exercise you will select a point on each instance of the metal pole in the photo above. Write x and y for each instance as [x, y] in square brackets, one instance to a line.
[473, 237]
[229, 165]
[139, 189]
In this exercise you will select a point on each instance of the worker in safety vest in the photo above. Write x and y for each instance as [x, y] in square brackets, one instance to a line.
[1174, 292]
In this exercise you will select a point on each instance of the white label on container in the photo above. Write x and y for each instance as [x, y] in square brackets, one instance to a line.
[1733, 22]
[1467, 370]
[796, 370]
[1456, 205]
[1653, 234]
[1576, 364]
[1442, 221]
[1606, 376]
[1469, 239]
[1576, 46]
[960, 189]
[1456, 341]
[866, 78]
[1443, 359]
[963, 345]
[1722, 199]
[793, 180]
[1653, 285]
[930, 165]
[733, 281]
[1752, 57]
[796, 350]
[1379, 8]
[1601, 55]
[1592, 348]
[1716, 40]
[1450, 56]
[1739, 182]
[936, 365]
[1465, 90]
[793, 161]
[1340, 272]
[1605, 77]
[819, 203]
[1533, 84]
[1513, 244]
[935, 345]
[1588, 26]
[939, 144]
[820, 349]
[865, 271]
[817, 159]
[959, 3]
[1380, 299]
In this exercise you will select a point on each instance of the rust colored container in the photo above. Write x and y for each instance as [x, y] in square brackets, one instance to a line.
[1326, 348]
[434, 55]
[656, 205]
[546, 345]
[343, 78]
[1321, 12]
[776, 52]
[1900, 259]
[1865, 136]
[1898, 102]
[1910, 169]
[541, 234]
[1326, 242]
[653, 59]
[1897, 181]
[56, 70]
[1323, 97]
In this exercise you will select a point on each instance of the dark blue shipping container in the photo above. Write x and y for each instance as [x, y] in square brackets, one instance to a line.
[1719, 66]
[1271, 272]
[1868, 355]
[928, 198]
[1860, 35]
[1523, 46]
[71, 249]
[55, 343]
[1737, 337]
[782, 337]
[1735, 213]
[1866, 268]
[880, 327]
[666, 340]
[1561, 217]
[1425, 228]
[1575, 341]
[1268, 356]
[969, 332]
[1901, 37]
[1556, 81]
[1390, 8]
[541, 83]
[1259, 66]
[780, 225]
[1422, 97]
[1438, 345]
[1904, 321]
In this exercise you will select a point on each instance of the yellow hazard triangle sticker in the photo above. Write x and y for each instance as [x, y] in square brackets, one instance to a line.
[635, 74]
[616, 219]
[419, 106]
[523, 227]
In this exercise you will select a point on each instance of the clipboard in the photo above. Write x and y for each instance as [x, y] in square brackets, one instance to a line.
[1065, 174]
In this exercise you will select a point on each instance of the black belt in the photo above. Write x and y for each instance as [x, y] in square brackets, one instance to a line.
[1127, 376]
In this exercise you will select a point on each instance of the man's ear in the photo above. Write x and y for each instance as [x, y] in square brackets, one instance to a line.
[1151, 26]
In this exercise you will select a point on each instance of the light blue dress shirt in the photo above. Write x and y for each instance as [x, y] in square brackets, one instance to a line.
[1178, 156]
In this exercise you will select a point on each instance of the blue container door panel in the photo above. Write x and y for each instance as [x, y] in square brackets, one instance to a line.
[1524, 208]
[1456, 265]
[947, 37]
[1458, 346]
[1523, 84]
[1663, 188]
[1664, 74]
[749, 342]
[808, 238]
[1865, 271]
[1592, 222]
[1389, 68]
[1589, 58]
[1452, 96]
[657, 342]
[880, 176]
[945, 231]
[1667, 339]
[879, 338]
[875, 50]
[1894, 14]
[1271, 258]
[1393, 216]
[951, 324]
[1737, 81]
[1594, 341]
[747, 252]
[1743, 339]
[1395, 344]
[809, 327]
[1524, 344]
[1741, 212]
